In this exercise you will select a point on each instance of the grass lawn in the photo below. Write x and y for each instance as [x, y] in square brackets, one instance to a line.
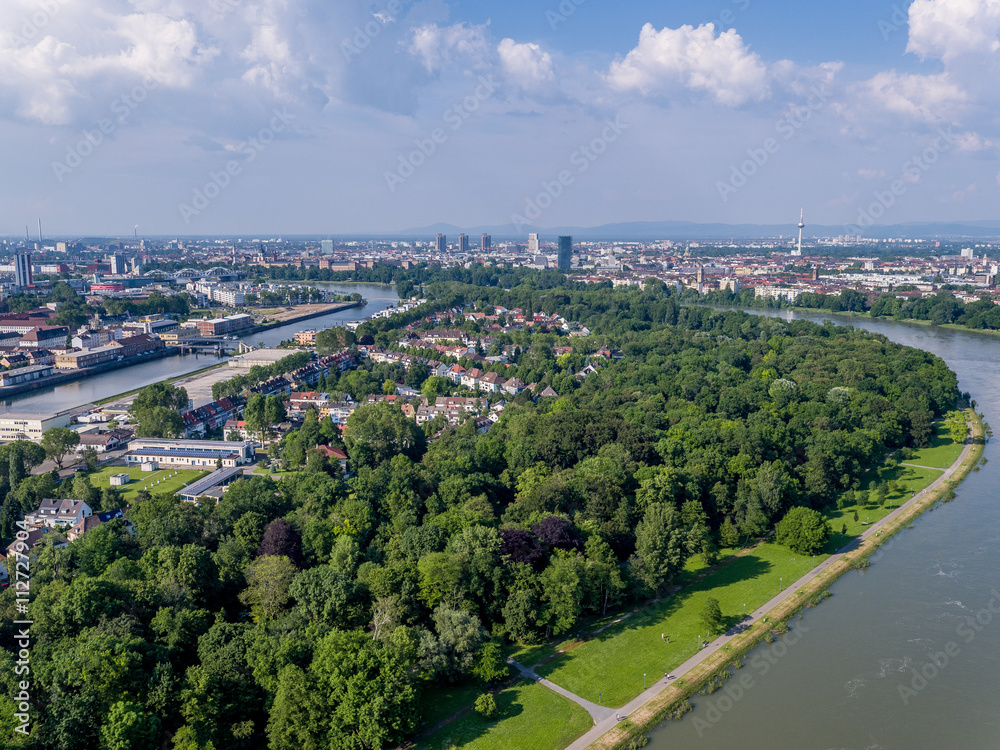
[531, 718]
[942, 451]
[168, 482]
[909, 479]
[608, 669]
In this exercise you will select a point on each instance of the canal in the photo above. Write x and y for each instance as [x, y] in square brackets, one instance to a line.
[905, 654]
[103, 386]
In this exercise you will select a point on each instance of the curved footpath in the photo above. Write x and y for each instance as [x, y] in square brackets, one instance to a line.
[607, 718]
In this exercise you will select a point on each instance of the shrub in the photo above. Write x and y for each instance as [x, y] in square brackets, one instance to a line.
[486, 706]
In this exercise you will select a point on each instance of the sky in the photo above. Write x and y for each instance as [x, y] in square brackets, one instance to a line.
[266, 117]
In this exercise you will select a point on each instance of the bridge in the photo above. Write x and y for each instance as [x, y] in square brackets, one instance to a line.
[220, 346]
[190, 273]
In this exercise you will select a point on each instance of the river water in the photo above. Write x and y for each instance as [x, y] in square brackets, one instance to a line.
[103, 386]
[891, 661]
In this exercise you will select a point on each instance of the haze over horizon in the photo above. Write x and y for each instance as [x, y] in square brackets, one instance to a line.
[243, 116]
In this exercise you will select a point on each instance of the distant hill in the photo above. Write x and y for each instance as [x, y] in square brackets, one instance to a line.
[686, 230]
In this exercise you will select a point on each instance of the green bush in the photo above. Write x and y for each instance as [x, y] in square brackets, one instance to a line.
[486, 706]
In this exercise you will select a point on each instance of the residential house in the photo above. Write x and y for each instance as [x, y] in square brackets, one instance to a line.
[491, 382]
[52, 513]
[92, 522]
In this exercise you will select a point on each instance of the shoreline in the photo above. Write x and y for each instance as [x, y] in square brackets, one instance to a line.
[670, 700]
[54, 381]
[70, 376]
[334, 308]
[848, 314]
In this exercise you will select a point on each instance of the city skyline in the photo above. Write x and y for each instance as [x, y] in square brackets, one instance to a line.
[258, 117]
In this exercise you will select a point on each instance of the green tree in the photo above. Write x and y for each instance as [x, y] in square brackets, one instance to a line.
[659, 546]
[332, 340]
[486, 706]
[562, 591]
[57, 442]
[803, 530]
[156, 410]
[90, 457]
[603, 574]
[375, 433]
[490, 666]
[357, 695]
[268, 580]
[728, 534]
[440, 576]
[711, 616]
[128, 726]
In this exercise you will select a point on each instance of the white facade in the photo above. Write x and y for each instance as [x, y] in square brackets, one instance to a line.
[28, 426]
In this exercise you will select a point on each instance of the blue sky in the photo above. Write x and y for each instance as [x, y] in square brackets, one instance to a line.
[305, 116]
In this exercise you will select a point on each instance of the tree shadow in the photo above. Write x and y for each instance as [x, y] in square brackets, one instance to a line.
[737, 570]
[471, 726]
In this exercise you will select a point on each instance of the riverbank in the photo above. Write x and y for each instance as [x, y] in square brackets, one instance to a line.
[176, 380]
[847, 314]
[316, 313]
[670, 700]
[72, 375]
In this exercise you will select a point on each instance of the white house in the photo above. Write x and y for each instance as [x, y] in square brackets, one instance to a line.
[52, 513]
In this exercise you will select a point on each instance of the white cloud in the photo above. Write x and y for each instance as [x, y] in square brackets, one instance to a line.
[528, 65]
[49, 70]
[948, 29]
[722, 66]
[438, 46]
[927, 98]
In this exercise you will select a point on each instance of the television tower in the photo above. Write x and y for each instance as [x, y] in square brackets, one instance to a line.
[802, 226]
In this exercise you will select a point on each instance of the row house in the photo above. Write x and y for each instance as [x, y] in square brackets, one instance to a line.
[211, 416]
[274, 387]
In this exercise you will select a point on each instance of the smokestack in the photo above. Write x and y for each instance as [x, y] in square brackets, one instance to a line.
[39, 230]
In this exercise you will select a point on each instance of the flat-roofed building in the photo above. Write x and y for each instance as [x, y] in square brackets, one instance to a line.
[18, 426]
[24, 375]
[261, 357]
[87, 357]
[189, 453]
[178, 336]
[212, 486]
[222, 326]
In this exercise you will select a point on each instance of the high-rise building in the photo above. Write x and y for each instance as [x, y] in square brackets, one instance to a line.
[533, 243]
[565, 253]
[22, 269]
[119, 264]
[463, 243]
[485, 243]
[441, 243]
[326, 246]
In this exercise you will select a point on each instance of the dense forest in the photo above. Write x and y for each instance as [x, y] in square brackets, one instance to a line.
[311, 608]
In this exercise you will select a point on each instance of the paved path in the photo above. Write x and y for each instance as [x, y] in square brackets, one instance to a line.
[918, 466]
[597, 713]
[605, 724]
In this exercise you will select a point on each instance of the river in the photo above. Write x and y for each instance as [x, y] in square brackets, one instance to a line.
[890, 662]
[80, 392]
